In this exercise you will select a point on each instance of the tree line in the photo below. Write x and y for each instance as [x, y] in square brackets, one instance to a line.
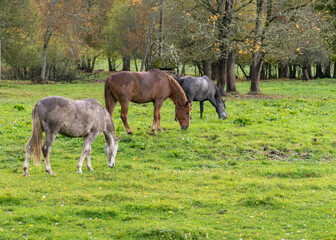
[58, 39]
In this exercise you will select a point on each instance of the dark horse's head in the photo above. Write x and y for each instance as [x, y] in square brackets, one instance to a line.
[221, 109]
[182, 114]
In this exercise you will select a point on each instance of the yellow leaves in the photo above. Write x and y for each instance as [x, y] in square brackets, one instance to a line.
[214, 18]
[186, 13]
[297, 26]
[241, 52]
[134, 2]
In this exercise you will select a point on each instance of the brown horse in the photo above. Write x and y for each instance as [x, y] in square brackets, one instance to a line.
[142, 87]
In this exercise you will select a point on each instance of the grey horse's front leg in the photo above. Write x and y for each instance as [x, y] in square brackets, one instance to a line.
[86, 152]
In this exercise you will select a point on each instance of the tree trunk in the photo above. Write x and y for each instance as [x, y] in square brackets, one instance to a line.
[305, 73]
[283, 70]
[111, 65]
[161, 29]
[88, 64]
[255, 74]
[327, 71]
[44, 65]
[319, 72]
[292, 71]
[243, 70]
[231, 79]
[126, 64]
[135, 63]
[334, 70]
[183, 69]
[207, 68]
[46, 39]
[148, 43]
[269, 71]
[93, 63]
[257, 61]
[222, 75]
[310, 71]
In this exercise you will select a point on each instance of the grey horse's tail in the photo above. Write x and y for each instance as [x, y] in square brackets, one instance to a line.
[35, 140]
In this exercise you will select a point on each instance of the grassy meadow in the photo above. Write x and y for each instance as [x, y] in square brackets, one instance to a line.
[267, 172]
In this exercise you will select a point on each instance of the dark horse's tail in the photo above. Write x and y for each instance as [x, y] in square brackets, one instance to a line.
[35, 141]
[108, 97]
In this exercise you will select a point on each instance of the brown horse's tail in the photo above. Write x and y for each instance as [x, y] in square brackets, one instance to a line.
[35, 141]
[108, 97]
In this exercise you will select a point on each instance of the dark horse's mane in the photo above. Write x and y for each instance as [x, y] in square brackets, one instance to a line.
[170, 79]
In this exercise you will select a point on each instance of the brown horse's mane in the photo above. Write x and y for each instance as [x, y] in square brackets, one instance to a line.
[182, 97]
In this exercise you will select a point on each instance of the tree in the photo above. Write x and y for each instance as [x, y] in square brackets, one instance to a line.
[16, 34]
[59, 17]
[299, 39]
[223, 13]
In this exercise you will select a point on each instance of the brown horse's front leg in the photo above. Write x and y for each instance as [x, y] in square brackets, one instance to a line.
[123, 115]
[157, 116]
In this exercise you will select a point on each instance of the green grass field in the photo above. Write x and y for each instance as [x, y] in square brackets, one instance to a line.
[267, 172]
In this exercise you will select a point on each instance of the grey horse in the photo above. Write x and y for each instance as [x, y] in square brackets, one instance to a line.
[71, 118]
[202, 89]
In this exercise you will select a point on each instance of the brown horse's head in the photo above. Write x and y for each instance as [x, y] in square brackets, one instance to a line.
[183, 115]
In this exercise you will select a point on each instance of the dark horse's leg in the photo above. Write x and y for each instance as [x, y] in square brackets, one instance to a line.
[214, 103]
[157, 115]
[201, 108]
[124, 111]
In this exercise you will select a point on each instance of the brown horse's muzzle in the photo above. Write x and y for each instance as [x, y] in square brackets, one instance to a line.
[184, 127]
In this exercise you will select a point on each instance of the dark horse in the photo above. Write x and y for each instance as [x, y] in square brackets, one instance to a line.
[142, 87]
[202, 89]
[81, 118]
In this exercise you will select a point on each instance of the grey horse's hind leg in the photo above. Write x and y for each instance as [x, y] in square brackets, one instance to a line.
[29, 149]
[201, 108]
[49, 140]
[86, 152]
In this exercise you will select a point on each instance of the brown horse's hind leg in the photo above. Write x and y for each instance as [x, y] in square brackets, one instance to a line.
[110, 108]
[123, 115]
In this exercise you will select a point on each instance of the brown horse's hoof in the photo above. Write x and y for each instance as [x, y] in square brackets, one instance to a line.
[130, 133]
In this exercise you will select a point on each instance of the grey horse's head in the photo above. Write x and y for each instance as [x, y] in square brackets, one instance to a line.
[111, 149]
[221, 110]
